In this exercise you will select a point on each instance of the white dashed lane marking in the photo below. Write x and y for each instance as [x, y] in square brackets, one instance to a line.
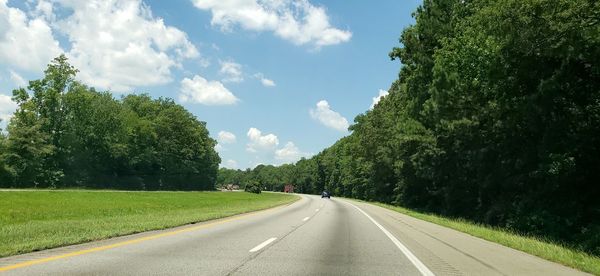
[263, 244]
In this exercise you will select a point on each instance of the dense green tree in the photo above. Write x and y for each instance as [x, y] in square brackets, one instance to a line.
[29, 150]
[7, 173]
[65, 134]
[227, 176]
[253, 186]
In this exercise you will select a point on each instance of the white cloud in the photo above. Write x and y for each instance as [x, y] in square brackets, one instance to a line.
[328, 117]
[116, 44]
[7, 108]
[297, 21]
[289, 153]
[230, 164]
[45, 9]
[226, 137]
[265, 82]
[199, 90]
[219, 148]
[261, 143]
[232, 71]
[119, 44]
[204, 62]
[382, 93]
[25, 42]
[265, 147]
[17, 79]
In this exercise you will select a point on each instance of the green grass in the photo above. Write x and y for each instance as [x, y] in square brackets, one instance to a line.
[35, 220]
[532, 245]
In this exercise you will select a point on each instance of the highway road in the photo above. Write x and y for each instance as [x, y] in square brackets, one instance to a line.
[312, 236]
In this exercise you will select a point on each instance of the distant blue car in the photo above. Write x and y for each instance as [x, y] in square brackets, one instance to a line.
[325, 194]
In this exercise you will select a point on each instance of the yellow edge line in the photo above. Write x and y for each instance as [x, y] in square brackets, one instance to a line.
[138, 240]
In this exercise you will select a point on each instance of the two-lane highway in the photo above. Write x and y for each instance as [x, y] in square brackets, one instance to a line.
[312, 236]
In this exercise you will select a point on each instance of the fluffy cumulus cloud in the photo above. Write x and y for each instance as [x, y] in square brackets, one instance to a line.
[116, 44]
[265, 148]
[7, 108]
[232, 71]
[261, 143]
[26, 41]
[376, 99]
[297, 21]
[45, 9]
[226, 137]
[200, 90]
[119, 44]
[329, 118]
[289, 153]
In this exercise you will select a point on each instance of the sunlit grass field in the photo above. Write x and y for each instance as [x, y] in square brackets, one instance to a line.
[532, 245]
[35, 220]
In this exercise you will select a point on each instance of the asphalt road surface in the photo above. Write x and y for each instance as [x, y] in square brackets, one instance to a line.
[312, 236]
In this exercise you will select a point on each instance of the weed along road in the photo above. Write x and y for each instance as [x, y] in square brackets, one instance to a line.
[312, 236]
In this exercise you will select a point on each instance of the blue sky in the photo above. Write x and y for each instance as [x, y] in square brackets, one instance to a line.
[274, 80]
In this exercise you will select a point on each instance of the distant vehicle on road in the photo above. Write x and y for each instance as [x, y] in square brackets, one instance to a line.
[325, 194]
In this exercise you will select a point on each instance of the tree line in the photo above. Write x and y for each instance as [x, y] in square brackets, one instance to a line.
[495, 117]
[65, 134]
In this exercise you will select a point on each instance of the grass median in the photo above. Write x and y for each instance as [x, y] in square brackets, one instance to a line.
[36, 220]
[532, 245]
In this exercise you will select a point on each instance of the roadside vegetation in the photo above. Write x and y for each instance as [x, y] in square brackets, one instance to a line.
[494, 119]
[65, 134]
[36, 220]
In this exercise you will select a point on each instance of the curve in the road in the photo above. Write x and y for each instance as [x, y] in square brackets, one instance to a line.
[312, 236]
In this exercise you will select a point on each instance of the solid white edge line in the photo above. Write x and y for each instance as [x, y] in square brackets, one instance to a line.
[306, 218]
[411, 257]
[263, 244]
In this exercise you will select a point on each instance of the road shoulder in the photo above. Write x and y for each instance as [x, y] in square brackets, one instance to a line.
[448, 251]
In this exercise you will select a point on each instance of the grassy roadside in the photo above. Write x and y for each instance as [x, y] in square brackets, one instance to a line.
[534, 246]
[35, 220]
